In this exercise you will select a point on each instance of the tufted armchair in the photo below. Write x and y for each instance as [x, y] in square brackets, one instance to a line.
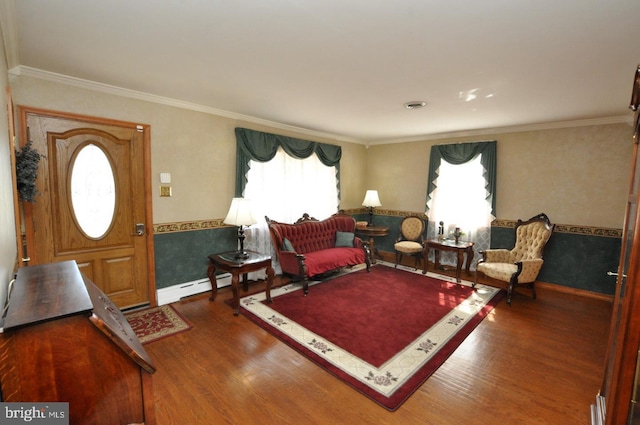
[520, 265]
[411, 239]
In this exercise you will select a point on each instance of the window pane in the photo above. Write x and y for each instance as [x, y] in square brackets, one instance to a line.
[461, 195]
[93, 194]
[286, 187]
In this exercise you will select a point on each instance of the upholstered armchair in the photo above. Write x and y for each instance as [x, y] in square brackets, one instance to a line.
[519, 266]
[411, 239]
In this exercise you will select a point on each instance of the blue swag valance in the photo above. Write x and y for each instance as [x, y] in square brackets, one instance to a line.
[262, 147]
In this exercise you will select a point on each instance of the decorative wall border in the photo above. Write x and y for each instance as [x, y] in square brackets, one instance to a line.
[381, 211]
[586, 230]
[187, 226]
[567, 228]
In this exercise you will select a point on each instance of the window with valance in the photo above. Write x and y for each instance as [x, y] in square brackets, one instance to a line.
[461, 191]
[285, 177]
[262, 147]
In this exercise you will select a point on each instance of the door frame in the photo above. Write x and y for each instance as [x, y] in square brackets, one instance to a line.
[20, 260]
[24, 111]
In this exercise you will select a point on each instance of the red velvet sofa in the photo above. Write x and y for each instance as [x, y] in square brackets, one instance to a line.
[310, 247]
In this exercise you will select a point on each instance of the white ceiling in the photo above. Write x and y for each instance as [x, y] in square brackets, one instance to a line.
[344, 68]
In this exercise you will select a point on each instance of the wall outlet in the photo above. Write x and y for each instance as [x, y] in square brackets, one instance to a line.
[165, 190]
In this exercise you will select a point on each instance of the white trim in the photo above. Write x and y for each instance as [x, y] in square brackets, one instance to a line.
[174, 293]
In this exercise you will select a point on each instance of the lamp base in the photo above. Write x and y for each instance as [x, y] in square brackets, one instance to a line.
[241, 254]
[370, 217]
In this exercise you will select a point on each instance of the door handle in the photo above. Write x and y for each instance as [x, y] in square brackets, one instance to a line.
[624, 276]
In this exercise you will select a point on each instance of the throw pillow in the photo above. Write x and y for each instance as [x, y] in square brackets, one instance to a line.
[286, 245]
[344, 239]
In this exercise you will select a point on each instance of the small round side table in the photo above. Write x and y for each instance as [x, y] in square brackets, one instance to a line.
[373, 231]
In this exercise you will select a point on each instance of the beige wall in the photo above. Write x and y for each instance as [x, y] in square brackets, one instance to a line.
[198, 149]
[577, 176]
[399, 173]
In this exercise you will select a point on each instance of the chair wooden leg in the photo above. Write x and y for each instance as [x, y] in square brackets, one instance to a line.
[305, 285]
[398, 258]
[512, 284]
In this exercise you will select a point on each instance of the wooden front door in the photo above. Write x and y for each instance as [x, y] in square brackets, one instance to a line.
[93, 204]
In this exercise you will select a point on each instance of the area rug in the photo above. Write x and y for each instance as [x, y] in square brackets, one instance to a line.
[383, 332]
[154, 323]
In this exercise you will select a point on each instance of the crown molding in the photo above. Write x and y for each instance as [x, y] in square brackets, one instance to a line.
[512, 129]
[133, 94]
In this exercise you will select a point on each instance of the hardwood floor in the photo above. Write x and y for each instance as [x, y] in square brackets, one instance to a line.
[536, 362]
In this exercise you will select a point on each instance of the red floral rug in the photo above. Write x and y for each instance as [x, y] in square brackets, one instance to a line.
[154, 323]
[384, 332]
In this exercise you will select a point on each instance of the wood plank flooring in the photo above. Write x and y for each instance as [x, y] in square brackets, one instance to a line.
[536, 362]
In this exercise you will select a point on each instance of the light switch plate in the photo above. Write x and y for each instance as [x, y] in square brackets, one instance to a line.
[165, 178]
[165, 190]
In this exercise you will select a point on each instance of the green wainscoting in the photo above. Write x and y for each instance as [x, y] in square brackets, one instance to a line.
[577, 257]
[181, 249]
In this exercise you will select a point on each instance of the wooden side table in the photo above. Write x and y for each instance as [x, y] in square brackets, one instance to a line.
[373, 231]
[460, 248]
[227, 262]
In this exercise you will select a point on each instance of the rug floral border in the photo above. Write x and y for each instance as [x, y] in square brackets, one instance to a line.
[393, 374]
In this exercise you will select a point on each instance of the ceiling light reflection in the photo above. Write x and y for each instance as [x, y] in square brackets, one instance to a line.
[473, 94]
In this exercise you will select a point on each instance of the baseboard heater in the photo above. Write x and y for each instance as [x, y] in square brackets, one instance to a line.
[174, 293]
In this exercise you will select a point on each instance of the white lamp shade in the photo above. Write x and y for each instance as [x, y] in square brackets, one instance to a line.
[371, 199]
[240, 213]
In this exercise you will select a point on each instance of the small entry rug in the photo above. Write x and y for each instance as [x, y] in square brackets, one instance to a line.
[154, 323]
[383, 332]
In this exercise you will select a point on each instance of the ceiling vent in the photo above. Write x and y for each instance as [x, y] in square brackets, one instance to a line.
[416, 104]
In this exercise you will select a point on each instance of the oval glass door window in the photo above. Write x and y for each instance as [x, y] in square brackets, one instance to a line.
[93, 191]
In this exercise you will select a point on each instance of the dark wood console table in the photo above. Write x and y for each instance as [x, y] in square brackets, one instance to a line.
[460, 248]
[65, 341]
[227, 262]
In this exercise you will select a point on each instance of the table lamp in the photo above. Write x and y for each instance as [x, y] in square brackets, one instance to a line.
[371, 200]
[240, 215]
